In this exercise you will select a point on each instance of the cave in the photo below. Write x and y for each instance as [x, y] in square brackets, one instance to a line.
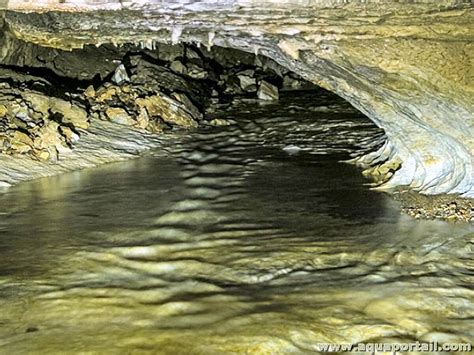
[235, 176]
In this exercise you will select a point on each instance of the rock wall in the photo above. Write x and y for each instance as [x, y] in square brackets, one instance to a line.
[406, 66]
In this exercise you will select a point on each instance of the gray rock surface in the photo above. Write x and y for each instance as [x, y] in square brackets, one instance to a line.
[267, 91]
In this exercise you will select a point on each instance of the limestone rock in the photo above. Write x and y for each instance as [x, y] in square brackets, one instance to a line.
[3, 111]
[231, 84]
[105, 93]
[35, 123]
[120, 76]
[170, 53]
[39, 102]
[119, 115]
[188, 105]
[21, 143]
[197, 72]
[417, 89]
[69, 134]
[381, 173]
[247, 81]
[89, 92]
[218, 122]
[169, 110]
[178, 67]
[267, 91]
[71, 113]
[292, 83]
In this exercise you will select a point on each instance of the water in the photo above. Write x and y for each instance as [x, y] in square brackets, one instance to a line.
[249, 238]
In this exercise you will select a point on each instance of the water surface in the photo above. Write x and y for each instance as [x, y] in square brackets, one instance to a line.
[253, 237]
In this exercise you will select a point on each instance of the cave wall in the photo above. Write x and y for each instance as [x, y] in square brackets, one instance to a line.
[406, 65]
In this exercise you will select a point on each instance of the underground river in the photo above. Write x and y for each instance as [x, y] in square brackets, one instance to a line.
[251, 237]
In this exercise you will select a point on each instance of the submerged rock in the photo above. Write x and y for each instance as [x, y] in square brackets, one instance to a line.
[219, 122]
[292, 149]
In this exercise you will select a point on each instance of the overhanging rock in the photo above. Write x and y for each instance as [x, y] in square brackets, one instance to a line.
[406, 66]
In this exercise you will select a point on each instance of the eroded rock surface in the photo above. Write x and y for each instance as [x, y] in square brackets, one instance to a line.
[46, 109]
[32, 122]
[406, 66]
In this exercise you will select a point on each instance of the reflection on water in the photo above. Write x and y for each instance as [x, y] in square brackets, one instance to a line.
[245, 238]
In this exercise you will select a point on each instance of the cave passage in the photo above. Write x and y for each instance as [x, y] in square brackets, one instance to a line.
[49, 99]
[239, 227]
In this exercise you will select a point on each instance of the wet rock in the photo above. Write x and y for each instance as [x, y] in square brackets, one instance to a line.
[168, 52]
[48, 142]
[183, 99]
[36, 123]
[451, 208]
[3, 111]
[267, 91]
[292, 81]
[247, 81]
[84, 64]
[218, 122]
[105, 93]
[228, 57]
[230, 84]
[38, 102]
[193, 54]
[21, 143]
[72, 114]
[69, 134]
[148, 78]
[120, 76]
[119, 115]
[169, 110]
[178, 67]
[196, 72]
[90, 92]
[154, 99]
[382, 173]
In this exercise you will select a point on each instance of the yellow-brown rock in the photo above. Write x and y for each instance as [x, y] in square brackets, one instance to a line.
[71, 113]
[119, 115]
[3, 111]
[167, 109]
[20, 143]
